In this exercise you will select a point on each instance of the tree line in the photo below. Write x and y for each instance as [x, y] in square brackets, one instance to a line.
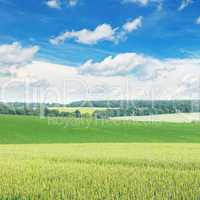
[140, 107]
[36, 109]
[112, 108]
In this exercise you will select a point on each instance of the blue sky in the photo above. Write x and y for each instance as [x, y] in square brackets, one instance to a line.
[165, 33]
[117, 49]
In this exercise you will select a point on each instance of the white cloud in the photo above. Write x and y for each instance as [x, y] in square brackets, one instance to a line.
[127, 64]
[72, 3]
[133, 25]
[58, 3]
[146, 2]
[102, 32]
[141, 78]
[141, 2]
[14, 56]
[121, 64]
[128, 75]
[53, 4]
[162, 77]
[184, 4]
[198, 20]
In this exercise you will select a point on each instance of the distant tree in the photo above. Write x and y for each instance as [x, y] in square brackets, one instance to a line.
[77, 114]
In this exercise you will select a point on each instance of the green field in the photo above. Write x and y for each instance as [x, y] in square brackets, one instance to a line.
[93, 160]
[100, 171]
[33, 130]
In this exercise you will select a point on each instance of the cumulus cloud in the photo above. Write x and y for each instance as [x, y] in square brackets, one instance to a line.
[150, 74]
[102, 32]
[133, 25]
[124, 76]
[184, 4]
[14, 55]
[53, 4]
[128, 64]
[121, 64]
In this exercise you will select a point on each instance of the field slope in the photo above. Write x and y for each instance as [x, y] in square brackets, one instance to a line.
[114, 160]
[33, 130]
[100, 171]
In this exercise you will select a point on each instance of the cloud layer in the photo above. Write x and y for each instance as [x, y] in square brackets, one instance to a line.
[124, 76]
[66, 83]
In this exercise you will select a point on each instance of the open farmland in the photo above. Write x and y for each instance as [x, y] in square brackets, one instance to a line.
[100, 159]
[177, 118]
[100, 171]
[33, 130]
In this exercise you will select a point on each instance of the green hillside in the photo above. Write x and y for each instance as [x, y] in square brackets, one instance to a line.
[28, 130]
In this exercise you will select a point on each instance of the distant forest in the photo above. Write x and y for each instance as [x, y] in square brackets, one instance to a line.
[112, 108]
[139, 107]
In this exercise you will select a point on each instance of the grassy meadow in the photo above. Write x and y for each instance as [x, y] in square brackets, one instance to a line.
[87, 159]
[33, 130]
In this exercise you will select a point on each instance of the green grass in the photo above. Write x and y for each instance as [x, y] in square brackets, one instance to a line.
[83, 110]
[100, 171]
[112, 160]
[28, 130]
